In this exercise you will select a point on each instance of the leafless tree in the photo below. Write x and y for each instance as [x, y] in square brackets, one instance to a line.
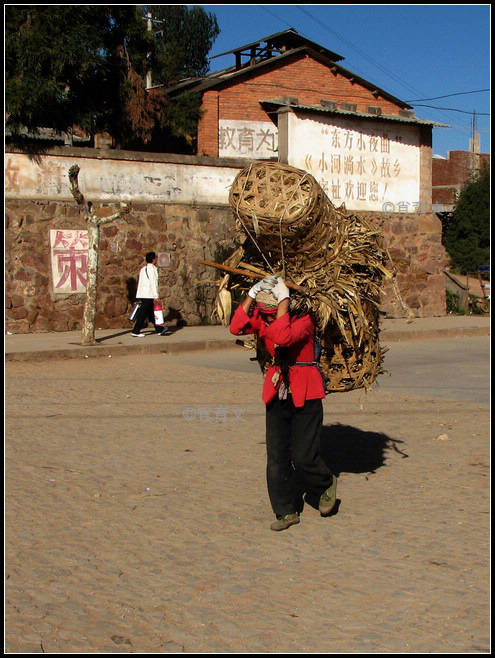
[93, 222]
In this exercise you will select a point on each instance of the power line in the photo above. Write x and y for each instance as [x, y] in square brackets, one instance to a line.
[459, 93]
[376, 64]
[453, 109]
[390, 74]
[360, 52]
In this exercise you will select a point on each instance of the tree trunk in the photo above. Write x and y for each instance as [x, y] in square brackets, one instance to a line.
[89, 314]
[93, 222]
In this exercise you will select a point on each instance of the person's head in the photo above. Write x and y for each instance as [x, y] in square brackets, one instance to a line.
[150, 256]
[266, 305]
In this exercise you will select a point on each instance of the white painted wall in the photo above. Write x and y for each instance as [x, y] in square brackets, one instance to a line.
[247, 139]
[365, 164]
[116, 180]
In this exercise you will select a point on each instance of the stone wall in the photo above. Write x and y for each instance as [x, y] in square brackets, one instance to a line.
[414, 243]
[187, 233]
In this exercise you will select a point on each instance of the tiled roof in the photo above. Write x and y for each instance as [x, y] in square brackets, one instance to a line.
[275, 104]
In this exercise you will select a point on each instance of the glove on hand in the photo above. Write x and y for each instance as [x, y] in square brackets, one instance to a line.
[265, 284]
[280, 290]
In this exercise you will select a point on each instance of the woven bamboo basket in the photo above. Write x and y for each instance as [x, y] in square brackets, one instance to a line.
[277, 202]
[291, 228]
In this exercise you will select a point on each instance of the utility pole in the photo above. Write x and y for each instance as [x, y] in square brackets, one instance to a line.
[148, 72]
[474, 142]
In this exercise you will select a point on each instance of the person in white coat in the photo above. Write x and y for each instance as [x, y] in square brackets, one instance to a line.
[147, 294]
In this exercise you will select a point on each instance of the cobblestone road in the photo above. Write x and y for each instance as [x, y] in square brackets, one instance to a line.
[137, 519]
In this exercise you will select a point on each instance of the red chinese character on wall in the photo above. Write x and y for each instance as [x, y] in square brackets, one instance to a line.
[69, 256]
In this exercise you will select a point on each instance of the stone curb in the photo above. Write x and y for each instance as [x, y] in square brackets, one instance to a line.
[93, 351]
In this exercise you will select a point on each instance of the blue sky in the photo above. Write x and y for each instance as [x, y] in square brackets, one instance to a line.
[414, 52]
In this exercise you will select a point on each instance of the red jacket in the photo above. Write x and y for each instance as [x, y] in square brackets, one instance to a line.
[297, 334]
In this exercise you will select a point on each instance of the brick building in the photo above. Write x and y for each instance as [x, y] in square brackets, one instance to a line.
[282, 69]
[289, 99]
[451, 173]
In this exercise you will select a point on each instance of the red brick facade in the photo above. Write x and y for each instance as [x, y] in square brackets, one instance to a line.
[449, 176]
[300, 76]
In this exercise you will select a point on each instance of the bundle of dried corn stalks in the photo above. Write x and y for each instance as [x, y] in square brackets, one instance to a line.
[336, 259]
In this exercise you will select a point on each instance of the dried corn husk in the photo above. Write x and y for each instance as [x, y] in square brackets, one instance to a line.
[292, 227]
[223, 302]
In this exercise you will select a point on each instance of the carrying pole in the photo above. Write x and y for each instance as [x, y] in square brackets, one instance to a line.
[248, 273]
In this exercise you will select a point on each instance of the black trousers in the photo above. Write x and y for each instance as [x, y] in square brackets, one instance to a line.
[294, 464]
[145, 314]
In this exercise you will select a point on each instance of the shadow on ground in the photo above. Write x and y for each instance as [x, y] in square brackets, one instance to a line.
[351, 450]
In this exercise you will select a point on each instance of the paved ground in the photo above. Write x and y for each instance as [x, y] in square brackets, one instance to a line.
[457, 368]
[137, 518]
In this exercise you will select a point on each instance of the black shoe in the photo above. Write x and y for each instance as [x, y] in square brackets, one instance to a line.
[165, 331]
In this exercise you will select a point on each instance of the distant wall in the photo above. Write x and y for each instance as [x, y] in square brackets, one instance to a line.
[368, 165]
[196, 224]
[449, 175]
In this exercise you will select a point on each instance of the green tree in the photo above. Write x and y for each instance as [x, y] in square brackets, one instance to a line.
[183, 38]
[127, 112]
[53, 65]
[86, 65]
[467, 238]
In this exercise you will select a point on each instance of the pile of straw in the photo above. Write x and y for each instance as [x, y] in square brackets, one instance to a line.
[337, 259]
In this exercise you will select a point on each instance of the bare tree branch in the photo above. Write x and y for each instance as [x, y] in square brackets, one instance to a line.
[93, 221]
[74, 185]
[125, 209]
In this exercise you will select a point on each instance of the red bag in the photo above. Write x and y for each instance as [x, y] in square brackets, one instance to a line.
[158, 310]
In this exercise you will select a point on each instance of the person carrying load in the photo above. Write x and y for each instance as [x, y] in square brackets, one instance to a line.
[293, 391]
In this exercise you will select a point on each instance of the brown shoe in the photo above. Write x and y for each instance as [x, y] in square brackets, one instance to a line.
[285, 521]
[328, 498]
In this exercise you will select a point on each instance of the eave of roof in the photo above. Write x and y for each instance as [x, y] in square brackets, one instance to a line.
[275, 105]
[231, 74]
